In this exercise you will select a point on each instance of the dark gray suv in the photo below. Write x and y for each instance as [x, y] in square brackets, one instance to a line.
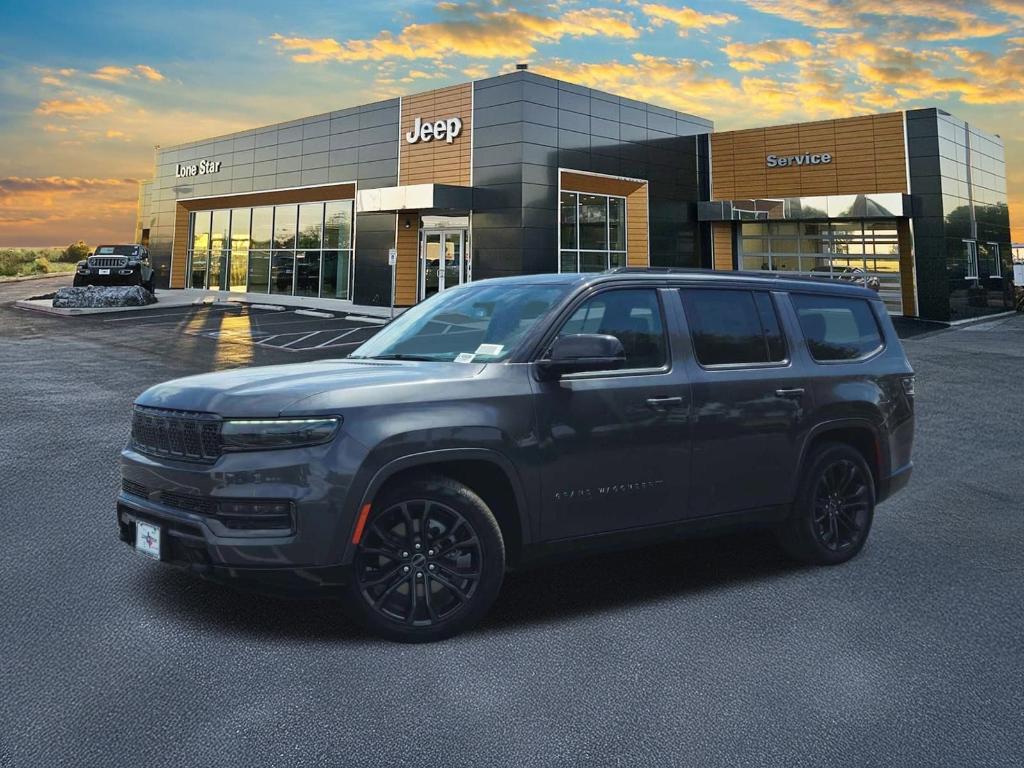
[508, 421]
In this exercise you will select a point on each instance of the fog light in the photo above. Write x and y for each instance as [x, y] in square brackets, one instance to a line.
[260, 515]
[254, 508]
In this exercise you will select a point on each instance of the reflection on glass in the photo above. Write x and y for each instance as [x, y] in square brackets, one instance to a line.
[593, 214]
[259, 271]
[311, 217]
[334, 275]
[338, 224]
[431, 263]
[593, 262]
[284, 225]
[239, 259]
[568, 261]
[617, 223]
[262, 228]
[200, 248]
[220, 240]
[568, 221]
[307, 273]
[282, 272]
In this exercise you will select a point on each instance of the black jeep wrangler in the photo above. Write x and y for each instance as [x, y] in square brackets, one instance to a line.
[507, 421]
[116, 265]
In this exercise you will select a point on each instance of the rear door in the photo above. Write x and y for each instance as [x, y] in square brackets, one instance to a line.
[749, 400]
[613, 445]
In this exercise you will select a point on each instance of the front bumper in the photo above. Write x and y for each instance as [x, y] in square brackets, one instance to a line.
[116, 277]
[185, 545]
[187, 500]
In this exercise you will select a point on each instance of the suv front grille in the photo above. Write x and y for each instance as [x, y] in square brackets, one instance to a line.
[116, 262]
[176, 434]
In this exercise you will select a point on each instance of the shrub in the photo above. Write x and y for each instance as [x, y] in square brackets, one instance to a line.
[41, 264]
[76, 251]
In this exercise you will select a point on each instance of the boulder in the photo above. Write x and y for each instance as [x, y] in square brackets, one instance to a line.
[92, 296]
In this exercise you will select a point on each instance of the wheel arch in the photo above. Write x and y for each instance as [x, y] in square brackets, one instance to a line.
[859, 433]
[487, 473]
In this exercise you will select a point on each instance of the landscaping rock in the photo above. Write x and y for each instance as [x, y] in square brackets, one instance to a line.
[92, 296]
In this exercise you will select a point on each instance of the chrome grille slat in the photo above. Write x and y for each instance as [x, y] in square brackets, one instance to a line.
[181, 435]
[115, 262]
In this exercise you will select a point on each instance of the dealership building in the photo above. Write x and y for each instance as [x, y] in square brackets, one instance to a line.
[522, 174]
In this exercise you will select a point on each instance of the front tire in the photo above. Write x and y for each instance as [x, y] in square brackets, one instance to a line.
[831, 518]
[429, 564]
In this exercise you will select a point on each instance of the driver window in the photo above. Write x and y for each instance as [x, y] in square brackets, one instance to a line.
[633, 316]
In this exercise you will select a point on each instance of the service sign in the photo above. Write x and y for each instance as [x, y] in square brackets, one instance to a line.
[200, 169]
[424, 130]
[779, 161]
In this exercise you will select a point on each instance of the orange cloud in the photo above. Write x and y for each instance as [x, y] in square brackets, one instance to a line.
[754, 56]
[933, 20]
[74, 107]
[686, 18]
[487, 35]
[116, 74]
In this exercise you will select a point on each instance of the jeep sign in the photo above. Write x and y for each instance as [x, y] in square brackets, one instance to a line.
[774, 161]
[203, 168]
[441, 129]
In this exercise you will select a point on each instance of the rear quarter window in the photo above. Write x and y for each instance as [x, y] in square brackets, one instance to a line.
[836, 327]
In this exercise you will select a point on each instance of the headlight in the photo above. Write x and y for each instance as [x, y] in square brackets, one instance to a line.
[264, 434]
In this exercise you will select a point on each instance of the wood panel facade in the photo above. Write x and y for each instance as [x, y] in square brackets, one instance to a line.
[637, 209]
[179, 246]
[868, 155]
[437, 161]
[407, 243]
[721, 245]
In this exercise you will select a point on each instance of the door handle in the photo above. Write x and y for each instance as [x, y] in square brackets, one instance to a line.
[796, 392]
[664, 403]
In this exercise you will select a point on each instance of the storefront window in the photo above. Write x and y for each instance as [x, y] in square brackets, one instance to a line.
[282, 272]
[338, 224]
[200, 253]
[592, 232]
[305, 250]
[220, 241]
[311, 219]
[239, 258]
[284, 226]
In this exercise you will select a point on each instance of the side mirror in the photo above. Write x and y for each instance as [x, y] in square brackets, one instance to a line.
[582, 352]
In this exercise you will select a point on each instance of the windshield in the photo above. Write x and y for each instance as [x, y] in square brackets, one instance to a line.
[469, 324]
[117, 250]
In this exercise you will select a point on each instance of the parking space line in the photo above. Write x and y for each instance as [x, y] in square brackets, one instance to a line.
[301, 338]
[339, 336]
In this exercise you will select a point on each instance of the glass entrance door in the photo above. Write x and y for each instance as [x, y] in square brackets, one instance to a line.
[442, 260]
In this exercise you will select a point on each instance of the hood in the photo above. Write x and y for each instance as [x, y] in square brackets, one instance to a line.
[270, 390]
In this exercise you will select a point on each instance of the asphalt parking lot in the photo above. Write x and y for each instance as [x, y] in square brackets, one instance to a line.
[707, 653]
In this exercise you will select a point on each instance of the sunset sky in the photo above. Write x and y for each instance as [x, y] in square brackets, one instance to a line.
[88, 88]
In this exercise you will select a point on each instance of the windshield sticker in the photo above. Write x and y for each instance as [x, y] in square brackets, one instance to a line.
[489, 349]
[464, 357]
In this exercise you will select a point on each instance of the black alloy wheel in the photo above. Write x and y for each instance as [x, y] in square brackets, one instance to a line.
[429, 563]
[834, 508]
[841, 505]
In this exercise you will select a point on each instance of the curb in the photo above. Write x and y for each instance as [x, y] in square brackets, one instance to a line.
[25, 278]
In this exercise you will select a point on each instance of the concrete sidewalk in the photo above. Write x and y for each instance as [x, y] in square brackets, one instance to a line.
[180, 298]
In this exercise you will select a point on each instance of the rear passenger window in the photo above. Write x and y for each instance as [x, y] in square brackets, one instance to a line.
[837, 328]
[733, 327]
[632, 316]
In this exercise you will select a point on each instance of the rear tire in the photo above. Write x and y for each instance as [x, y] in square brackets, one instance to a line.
[429, 564]
[834, 508]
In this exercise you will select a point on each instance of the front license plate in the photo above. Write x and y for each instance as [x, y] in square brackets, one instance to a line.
[104, 271]
[147, 539]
